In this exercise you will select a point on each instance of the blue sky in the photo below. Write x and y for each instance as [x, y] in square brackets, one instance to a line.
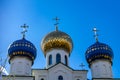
[77, 18]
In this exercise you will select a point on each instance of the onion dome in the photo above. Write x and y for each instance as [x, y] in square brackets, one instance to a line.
[99, 51]
[57, 39]
[21, 48]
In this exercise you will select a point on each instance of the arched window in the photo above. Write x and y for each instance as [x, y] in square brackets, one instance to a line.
[58, 58]
[42, 79]
[60, 77]
[50, 60]
[66, 61]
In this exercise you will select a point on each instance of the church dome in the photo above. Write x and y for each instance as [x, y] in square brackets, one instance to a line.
[57, 39]
[22, 47]
[99, 51]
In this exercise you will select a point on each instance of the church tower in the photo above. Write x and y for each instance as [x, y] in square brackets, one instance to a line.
[57, 47]
[99, 56]
[22, 54]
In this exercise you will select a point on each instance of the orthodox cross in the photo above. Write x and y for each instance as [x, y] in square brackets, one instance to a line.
[56, 24]
[24, 30]
[95, 33]
[82, 66]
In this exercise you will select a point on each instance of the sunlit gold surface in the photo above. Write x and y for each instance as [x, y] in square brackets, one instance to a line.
[100, 57]
[57, 39]
[21, 53]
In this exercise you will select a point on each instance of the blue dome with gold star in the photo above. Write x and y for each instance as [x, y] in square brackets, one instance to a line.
[99, 51]
[21, 48]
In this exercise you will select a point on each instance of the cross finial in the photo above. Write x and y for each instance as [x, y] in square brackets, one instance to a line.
[82, 66]
[95, 33]
[24, 30]
[56, 24]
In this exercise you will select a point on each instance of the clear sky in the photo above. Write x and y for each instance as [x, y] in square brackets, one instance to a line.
[77, 18]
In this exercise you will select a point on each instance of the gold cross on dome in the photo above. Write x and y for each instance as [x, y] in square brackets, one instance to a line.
[56, 24]
[95, 33]
[24, 30]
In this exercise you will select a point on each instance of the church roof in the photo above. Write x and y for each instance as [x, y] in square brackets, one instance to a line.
[22, 47]
[57, 39]
[99, 51]
[61, 65]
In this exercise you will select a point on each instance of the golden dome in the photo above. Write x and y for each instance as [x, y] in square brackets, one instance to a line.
[57, 39]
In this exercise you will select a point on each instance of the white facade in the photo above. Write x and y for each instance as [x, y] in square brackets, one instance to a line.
[20, 66]
[54, 70]
[57, 70]
[53, 53]
[21, 69]
[18, 78]
[101, 69]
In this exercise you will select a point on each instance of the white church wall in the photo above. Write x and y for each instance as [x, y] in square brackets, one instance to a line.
[54, 52]
[39, 74]
[18, 78]
[59, 70]
[80, 75]
[20, 66]
[101, 69]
